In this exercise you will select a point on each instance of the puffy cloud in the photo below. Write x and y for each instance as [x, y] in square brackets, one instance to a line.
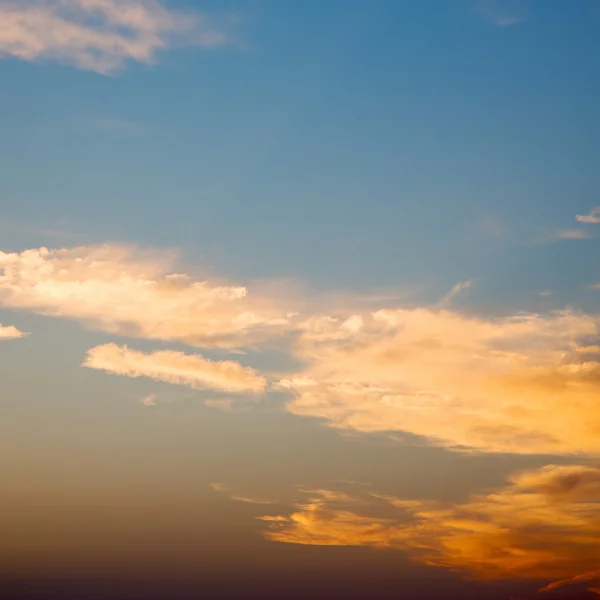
[9, 332]
[544, 524]
[592, 217]
[525, 384]
[122, 291]
[98, 35]
[175, 367]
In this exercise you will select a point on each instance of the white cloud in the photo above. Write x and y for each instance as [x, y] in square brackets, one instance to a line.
[592, 217]
[122, 291]
[10, 332]
[98, 35]
[525, 384]
[175, 367]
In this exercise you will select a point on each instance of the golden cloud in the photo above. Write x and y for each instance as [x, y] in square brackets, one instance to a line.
[175, 367]
[9, 332]
[544, 524]
[122, 291]
[525, 384]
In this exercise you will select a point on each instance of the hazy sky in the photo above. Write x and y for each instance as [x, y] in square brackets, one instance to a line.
[299, 299]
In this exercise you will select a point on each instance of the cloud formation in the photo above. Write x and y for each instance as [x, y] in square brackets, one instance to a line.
[524, 384]
[544, 524]
[175, 367]
[9, 332]
[98, 35]
[592, 217]
[122, 291]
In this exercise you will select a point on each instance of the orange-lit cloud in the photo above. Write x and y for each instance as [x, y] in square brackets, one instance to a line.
[98, 35]
[524, 384]
[175, 367]
[9, 332]
[123, 291]
[544, 524]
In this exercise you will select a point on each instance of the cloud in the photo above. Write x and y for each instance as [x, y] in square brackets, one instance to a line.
[228, 405]
[123, 291]
[223, 488]
[522, 384]
[8, 332]
[592, 217]
[573, 234]
[543, 524]
[149, 400]
[502, 13]
[456, 289]
[175, 367]
[99, 35]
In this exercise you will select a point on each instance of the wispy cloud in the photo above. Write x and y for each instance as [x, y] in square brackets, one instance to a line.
[223, 488]
[9, 332]
[572, 234]
[544, 524]
[592, 217]
[459, 381]
[229, 405]
[455, 291]
[99, 35]
[502, 13]
[124, 291]
[175, 367]
[149, 400]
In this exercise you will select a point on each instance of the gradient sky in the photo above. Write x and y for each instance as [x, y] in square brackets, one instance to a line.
[299, 299]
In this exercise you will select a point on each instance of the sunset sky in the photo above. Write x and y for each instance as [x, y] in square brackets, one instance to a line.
[299, 299]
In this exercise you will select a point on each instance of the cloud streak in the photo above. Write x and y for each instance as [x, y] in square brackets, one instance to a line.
[175, 367]
[223, 488]
[455, 291]
[502, 13]
[99, 35]
[123, 291]
[573, 234]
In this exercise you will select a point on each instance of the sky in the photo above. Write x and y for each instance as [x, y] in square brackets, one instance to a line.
[299, 299]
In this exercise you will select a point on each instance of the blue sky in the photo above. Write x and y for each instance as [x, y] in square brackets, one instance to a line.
[329, 259]
[282, 153]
